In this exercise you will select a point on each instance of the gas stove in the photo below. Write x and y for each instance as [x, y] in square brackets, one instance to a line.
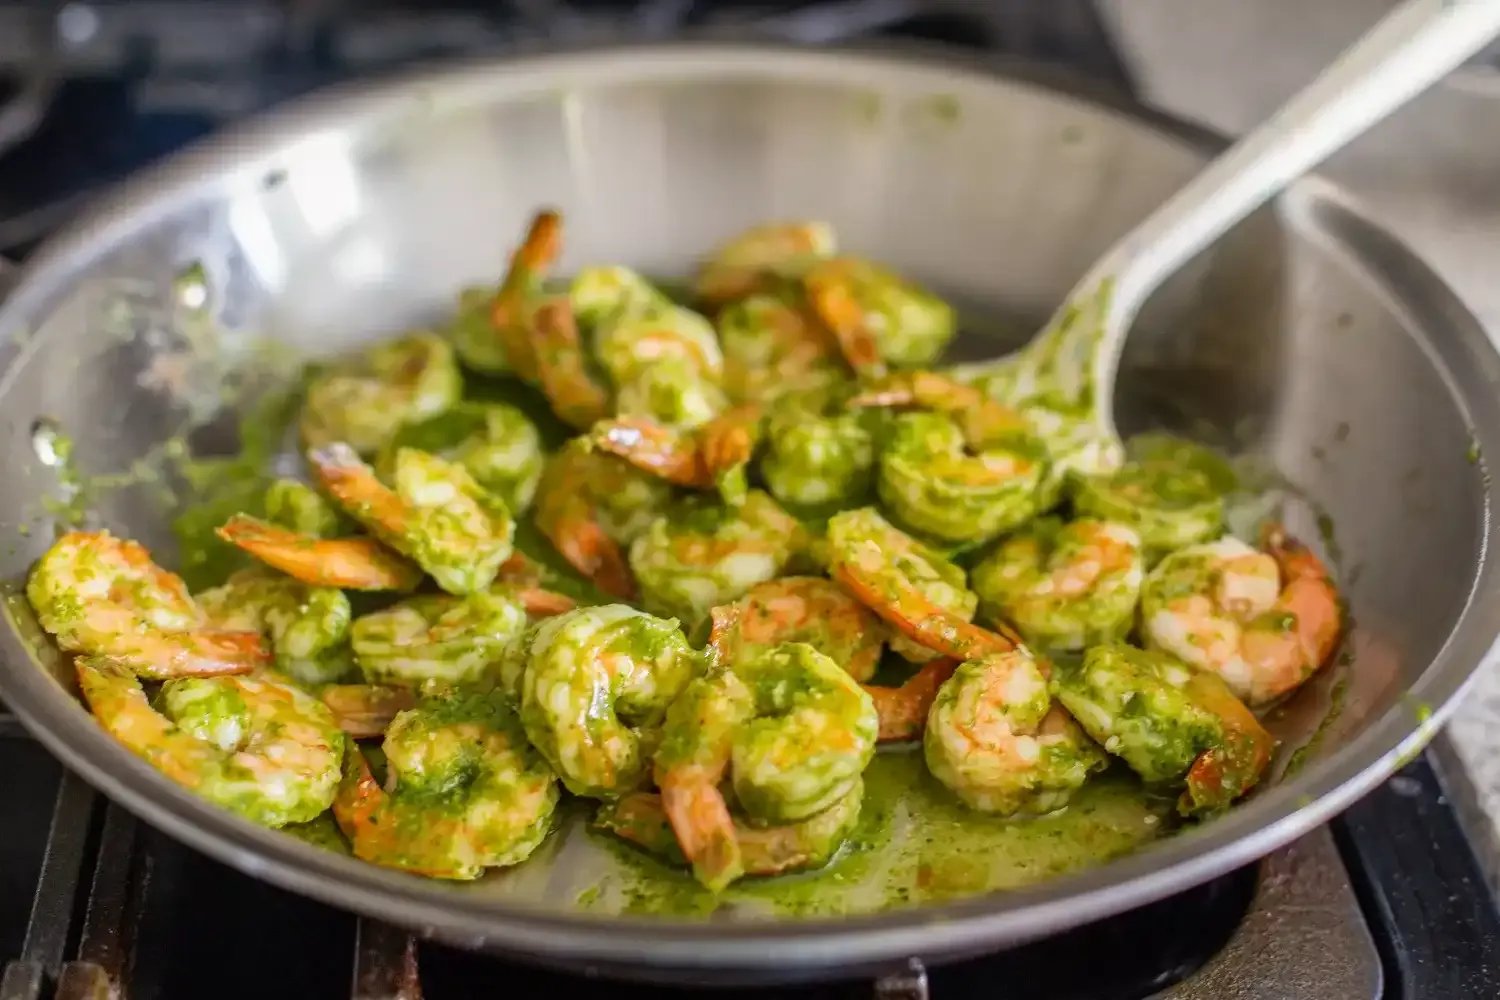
[1388, 901]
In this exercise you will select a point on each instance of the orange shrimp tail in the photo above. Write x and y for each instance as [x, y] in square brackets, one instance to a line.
[356, 487]
[1224, 773]
[705, 831]
[903, 710]
[541, 603]
[728, 441]
[1309, 594]
[346, 563]
[923, 622]
[725, 632]
[219, 653]
[828, 291]
[365, 711]
[650, 447]
[576, 398]
[360, 798]
[538, 250]
[588, 548]
[1297, 561]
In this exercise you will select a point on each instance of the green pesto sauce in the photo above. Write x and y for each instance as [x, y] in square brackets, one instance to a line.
[1336, 700]
[321, 832]
[914, 844]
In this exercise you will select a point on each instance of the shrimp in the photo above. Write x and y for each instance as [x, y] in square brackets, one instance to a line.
[496, 442]
[364, 400]
[1174, 726]
[1170, 491]
[671, 392]
[641, 818]
[810, 610]
[596, 685]
[259, 748]
[818, 454]
[965, 473]
[299, 508]
[455, 640]
[1065, 587]
[715, 455]
[588, 504]
[773, 345]
[472, 332]
[996, 741]
[601, 293]
[511, 311]
[306, 625]
[878, 318]
[654, 331]
[364, 711]
[346, 563]
[562, 366]
[1265, 622]
[904, 710]
[702, 554]
[759, 258]
[436, 515]
[98, 594]
[911, 586]
[463, 792]
[793, 731]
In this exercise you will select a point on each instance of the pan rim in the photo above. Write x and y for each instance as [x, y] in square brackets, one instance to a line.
[1246, 834]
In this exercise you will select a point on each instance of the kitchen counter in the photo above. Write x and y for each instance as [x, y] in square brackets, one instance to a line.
[1428, 173]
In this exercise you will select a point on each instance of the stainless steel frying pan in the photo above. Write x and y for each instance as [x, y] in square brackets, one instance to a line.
[1322, 343]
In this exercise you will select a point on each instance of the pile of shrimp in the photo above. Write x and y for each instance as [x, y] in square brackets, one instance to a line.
[772, 492]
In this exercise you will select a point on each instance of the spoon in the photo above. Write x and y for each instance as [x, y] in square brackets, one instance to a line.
[1073, 361]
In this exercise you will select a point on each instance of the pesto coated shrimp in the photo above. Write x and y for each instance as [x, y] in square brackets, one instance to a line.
[1175, 726]
[562, 365]
[996, 741]
[878, 318]
[912, 587]
[702, 554]
[1263, 621]
[966, 473]
[1170, 491]
[364, 400]
[347, 563]
[496, 442]
[596, 685]
[297, 507]
[810, 610]
[256, 747]
[1064, 587]
[645, 332]
[435, 638]
[306, 625]
[600, 293]
[903, 710]
[463, 793]
[589, 504]
[671, 392]
[713, 456]
[774, 344]
[98, 594]
[472, 332]
[641, 818]
[436, 514]
[512, 310]
[817, 453]
[760, 258]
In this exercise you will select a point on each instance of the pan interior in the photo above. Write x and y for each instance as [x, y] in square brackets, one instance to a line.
[1276, 342]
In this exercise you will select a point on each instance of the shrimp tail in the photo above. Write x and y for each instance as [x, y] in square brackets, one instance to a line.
[903, 710]
[705, 831]
[346, 563]
[530, 262]
[576, 397]
[1224, 773]
[650, 447]
[832, 299]
[355, 486]
[365, 711]
[587, 547]
[212, 653]
[921, 620]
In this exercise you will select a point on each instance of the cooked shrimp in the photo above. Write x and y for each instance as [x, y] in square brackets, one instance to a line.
[256, 747]
[759, 258]
[1263, 621]
[601, 293]
[656, 331]
[773, 345]
[715, 455]
[814, 611]
[1064, 587]
[364, 711]
[577, 397]
[496, 442]
[641, 818]
[878, 318]
[98, 594]
[818, 454]
[966, 473]
[596, 685]
[306, 625]
[589, 504]
[997, 742]
[299, 508]
[436, 515]
[671, 392]
[464, 792]
[903, 710]
[1170, 491]
[472, 333]
[364, 400]
[912, 587]
[346, 563]
[1174, 726]
[702, 554]
[511, 312]
[435, 638]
